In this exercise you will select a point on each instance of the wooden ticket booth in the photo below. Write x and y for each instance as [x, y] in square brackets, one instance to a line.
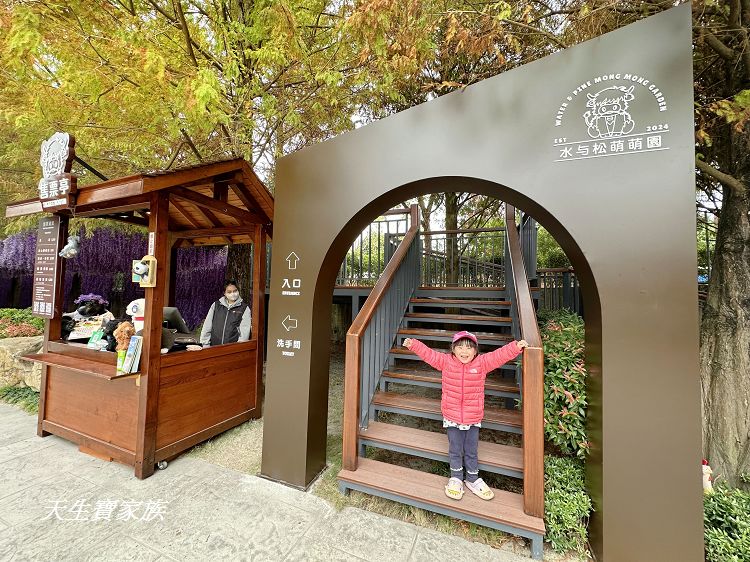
[175, 400]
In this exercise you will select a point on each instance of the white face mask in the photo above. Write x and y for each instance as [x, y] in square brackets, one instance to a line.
[232, 296]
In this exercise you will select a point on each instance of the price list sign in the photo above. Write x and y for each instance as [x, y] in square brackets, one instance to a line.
[45, 265]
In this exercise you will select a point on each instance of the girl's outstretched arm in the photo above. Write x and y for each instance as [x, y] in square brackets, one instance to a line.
[502, 355]
[433, 358]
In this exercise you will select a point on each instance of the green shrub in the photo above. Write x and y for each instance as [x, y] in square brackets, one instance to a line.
[24, 397]
[567, 505]
[18, 322]
[726, 519]
[549, 252]
[564, 381]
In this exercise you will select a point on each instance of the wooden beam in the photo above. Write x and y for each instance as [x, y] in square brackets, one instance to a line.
[23, 208]
[262, 195]
[221, 192]
[258, 313]
[107, 191]
[219, 231]
[207, 203]
[151, 356]
[128, 219]
[127, 205]
[245, 196]
[181, 177]
[185, 213]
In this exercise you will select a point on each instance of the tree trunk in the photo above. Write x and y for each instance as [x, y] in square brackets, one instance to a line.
[725, 345]
[452, 253]
[240, 267]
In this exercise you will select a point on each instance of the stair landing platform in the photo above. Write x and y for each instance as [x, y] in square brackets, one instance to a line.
[427, 491]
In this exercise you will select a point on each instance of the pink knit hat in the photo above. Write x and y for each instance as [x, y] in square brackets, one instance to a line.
[460, 335]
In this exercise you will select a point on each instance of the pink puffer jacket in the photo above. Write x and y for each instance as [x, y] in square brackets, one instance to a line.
[463, 384]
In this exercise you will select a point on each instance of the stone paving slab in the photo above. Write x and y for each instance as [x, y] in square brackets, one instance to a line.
[200, 512]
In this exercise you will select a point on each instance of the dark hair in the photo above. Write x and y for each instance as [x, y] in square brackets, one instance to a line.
[465, 342]
[230, 282]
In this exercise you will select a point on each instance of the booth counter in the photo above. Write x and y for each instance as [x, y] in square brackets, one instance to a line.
[175, 400]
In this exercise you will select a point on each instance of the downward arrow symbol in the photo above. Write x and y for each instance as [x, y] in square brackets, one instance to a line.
[289, 323]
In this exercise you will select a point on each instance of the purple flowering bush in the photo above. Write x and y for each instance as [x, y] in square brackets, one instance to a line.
[93, 298]
[200, 279]
[102, 270]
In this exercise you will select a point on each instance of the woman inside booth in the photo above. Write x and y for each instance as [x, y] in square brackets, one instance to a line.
[228, 319]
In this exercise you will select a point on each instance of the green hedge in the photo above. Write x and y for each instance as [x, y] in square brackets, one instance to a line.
[567, 505]
[24, 397]
[18, 322]
[726, 519]
[564, 381]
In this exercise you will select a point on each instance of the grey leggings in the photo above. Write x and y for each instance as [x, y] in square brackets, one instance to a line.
[462, 452]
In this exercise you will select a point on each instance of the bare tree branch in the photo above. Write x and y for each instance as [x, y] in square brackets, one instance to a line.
[185, 31]
[192, 146]
[715, 43]
[737, 187]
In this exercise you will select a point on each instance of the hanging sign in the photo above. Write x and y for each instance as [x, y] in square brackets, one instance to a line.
[45, 267]
[144, 271]
[58, 186]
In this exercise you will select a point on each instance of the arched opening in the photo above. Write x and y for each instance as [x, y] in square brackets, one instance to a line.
[338, 249]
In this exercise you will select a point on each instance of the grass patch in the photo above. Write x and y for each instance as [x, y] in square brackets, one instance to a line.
[238, 448]
[24, 397]
[19, 322]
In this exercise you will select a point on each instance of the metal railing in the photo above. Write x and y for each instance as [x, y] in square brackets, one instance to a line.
[559, 288]
[463, 258]
[372, 334]
[367, 257]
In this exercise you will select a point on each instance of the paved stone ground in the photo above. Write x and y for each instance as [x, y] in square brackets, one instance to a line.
[55, 504]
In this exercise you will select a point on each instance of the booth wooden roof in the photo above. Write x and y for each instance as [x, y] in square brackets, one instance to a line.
[214, 203]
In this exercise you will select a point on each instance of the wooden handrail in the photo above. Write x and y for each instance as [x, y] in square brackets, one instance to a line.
[533, 376]
[378, 291]
[524, 303]
[352, 361]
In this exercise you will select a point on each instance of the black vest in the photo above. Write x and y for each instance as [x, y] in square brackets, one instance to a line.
[225, 326]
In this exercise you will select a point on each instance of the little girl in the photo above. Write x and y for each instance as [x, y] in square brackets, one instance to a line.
[462, 403]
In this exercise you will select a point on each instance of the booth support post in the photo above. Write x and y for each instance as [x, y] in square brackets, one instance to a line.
[258, 313]
[151, 355]
[53, 326]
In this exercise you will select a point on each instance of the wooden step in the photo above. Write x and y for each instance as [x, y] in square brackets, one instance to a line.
[427, 491]
[500, 459]
[403, 353]
[465, 318]
[473, 303]
[447, 335]
[501, 419]
[433, 379]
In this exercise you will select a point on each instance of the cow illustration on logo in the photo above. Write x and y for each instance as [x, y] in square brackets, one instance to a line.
[608, 115]
[57, 154]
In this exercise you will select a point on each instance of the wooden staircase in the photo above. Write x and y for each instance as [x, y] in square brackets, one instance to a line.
[387, 378]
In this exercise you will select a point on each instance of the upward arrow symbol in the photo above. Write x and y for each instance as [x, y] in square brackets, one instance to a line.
[292, 260]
